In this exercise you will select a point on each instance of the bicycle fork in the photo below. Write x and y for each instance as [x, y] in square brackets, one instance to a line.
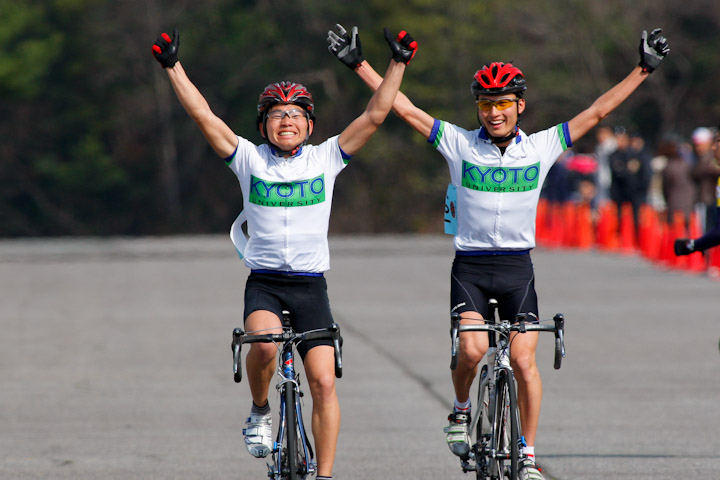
[290, 379]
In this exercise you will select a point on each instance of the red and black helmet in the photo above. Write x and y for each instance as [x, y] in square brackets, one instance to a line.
[497, 79]
[285, 93]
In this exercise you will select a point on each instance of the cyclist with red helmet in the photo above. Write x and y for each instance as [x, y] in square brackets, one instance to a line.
[496, 175]
[287, 188]
[711, 238]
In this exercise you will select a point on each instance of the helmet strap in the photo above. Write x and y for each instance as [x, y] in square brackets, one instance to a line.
[504, 139]
[510, 136]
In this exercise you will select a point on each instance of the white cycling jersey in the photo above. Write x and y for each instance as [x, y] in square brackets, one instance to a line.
[496, 194]
[287, 204]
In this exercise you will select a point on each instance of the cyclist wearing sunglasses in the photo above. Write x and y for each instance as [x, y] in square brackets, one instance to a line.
[287, 189]
[711, 238]
[496, 175]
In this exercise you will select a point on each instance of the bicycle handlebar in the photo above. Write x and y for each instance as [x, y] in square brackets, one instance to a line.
[240, 337]
[504, 328]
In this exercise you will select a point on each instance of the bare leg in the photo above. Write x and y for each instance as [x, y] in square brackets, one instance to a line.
[320, 369]
[529, 383]
[472, 348]
[260, 360]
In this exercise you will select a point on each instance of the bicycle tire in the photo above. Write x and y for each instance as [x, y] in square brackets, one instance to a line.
[482, 429]
[291, 429]
[506, 428]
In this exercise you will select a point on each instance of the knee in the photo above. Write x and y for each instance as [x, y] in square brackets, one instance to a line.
[263, 352]
[322, 387]
[470, 357]
[524, 363]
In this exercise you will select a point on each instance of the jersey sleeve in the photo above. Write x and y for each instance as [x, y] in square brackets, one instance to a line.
[442, 135]
[551, 143]
[446, 138]
[336, 158]
[238, 161]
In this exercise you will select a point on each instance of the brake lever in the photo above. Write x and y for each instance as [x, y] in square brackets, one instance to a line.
[337, 344]
[237, 358]
[454, 327]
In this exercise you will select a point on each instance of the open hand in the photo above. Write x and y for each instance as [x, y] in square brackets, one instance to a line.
[653, 49]
[346, 47]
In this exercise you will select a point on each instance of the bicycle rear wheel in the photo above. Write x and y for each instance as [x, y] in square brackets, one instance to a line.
[505, 428]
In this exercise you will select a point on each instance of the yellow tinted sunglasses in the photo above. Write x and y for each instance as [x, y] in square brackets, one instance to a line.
[486, 105]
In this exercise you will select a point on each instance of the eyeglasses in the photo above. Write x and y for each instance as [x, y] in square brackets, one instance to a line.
[504, 103]
[293, 114]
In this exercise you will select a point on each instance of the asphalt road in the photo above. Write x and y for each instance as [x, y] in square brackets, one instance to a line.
[115, 362]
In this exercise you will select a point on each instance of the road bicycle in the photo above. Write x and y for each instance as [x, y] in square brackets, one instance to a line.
[496, 433]
[292, 453]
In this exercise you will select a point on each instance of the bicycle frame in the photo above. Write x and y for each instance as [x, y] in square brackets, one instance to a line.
[293, 459]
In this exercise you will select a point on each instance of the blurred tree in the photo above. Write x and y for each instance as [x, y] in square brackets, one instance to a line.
[94, 142]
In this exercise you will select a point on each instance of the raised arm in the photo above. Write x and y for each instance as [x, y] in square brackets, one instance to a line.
[348, 50]
[653, 49]
[220, 137]
[356, 135]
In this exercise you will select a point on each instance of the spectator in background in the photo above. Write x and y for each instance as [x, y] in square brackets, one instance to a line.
[606, 144]
[556, 189]
[630, 174]
[655, 195]
[705, 174]
[582, 173]
[642, 153]
[677, 184]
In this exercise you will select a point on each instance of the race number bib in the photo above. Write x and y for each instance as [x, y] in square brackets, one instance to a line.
[451, 210]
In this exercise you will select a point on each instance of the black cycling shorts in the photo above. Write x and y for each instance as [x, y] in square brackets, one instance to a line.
[305, 297]
[509, 279]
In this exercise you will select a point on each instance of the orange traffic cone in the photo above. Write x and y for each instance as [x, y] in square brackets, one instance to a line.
[607, 227]
[569, 225]
[655, 242]
[647, 231]
[666, 254]
[541, 230]
[678, 231]
[584, 227]
[556, 230]
[627, 229]
[696, 261]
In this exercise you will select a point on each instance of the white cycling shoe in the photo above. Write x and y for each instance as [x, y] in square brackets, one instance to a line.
[458, 439]
[258, 435]
[529, 470]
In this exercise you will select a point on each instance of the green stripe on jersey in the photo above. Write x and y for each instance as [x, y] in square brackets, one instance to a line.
[561, 134]
[439, 134]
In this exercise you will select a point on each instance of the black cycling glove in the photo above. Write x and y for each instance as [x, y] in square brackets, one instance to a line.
[403, 46]
[165, 49]
[346, 47]
[653, 49]
[684, 246]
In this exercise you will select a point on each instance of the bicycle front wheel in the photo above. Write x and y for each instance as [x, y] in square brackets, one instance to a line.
[483, 427]
[505, 428]
[290, 470]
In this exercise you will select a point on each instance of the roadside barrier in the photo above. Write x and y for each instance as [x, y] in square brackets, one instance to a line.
[609, 229]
